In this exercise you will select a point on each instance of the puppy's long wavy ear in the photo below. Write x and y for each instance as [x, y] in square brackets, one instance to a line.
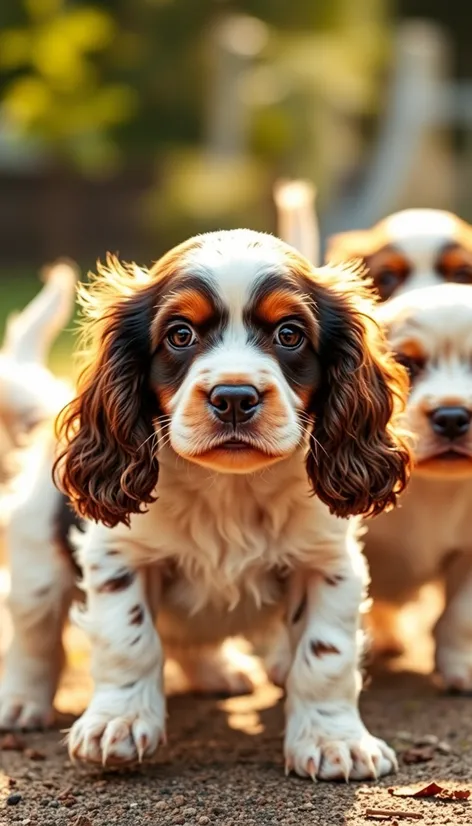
[359, 459]
[108, 467]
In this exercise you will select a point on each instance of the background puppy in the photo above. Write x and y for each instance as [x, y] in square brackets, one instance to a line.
[410, 249]
[407, 250]
[223, 387]
[429, 535]
[30, 397]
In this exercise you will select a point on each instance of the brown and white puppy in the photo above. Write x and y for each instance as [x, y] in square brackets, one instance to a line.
[410, 249]
[223, 388]
[30, 395]
[429, 536]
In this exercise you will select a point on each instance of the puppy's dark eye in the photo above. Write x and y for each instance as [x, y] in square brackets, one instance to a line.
[414, 364]
[289, 336]
[180, 336]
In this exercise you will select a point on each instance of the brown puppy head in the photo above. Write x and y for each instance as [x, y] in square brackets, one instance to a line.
[410, 249]
[236, 352]
[430, 330]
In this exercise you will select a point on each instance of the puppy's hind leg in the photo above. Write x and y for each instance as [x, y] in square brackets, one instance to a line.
[42, 582]
[453, 631]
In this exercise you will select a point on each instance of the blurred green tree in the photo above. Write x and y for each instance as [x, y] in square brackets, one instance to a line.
[104, 82]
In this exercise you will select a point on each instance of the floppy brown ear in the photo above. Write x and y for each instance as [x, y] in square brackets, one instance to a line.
[359, 460]
[108, 467]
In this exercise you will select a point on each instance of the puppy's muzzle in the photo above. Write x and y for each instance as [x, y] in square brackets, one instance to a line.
[450, 422]
[234, 404]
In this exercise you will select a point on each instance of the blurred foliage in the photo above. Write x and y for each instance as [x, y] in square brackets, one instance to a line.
[100, 83]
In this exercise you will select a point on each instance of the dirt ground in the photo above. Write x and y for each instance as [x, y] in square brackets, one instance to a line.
[223, 764]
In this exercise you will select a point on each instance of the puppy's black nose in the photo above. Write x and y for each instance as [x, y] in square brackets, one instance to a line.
[234, 403]
[450, 422]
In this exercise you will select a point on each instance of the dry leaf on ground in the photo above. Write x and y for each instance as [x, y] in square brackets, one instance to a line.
[431, 790]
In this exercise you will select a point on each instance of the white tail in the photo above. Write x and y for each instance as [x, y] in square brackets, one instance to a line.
[296, 217]
[30, 333]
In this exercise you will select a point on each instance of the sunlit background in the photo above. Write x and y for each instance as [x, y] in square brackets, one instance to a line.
[127, 125]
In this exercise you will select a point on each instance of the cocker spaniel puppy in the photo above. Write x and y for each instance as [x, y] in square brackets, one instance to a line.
[410, 249]
[29, 393]
[429, 535]
[236, 402]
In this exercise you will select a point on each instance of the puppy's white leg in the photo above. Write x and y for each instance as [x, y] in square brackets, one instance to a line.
[125, 720]
[325, 736]
[42, 582]
[453, 632]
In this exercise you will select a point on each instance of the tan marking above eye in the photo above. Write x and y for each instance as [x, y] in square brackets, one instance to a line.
[455, 263]
[411, 349]
[192, 304]
[388, 258]
[278, 305]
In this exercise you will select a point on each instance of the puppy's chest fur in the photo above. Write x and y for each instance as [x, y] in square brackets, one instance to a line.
[223, 545]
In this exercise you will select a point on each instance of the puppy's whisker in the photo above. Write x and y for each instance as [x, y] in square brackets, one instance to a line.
[149, 438]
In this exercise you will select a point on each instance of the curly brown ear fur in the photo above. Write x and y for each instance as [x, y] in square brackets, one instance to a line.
[108, 467]
[359, 461]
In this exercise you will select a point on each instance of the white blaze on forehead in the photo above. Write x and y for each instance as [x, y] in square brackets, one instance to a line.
[431, 315]
[234, 261]
[421, 232]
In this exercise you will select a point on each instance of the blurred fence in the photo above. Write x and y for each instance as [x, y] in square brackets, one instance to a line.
[46, 214]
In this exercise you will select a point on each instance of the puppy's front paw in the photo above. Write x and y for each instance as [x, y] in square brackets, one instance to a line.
[121, 725]
[24, 711]
[26, 694]
[329, 741]
[454, 666]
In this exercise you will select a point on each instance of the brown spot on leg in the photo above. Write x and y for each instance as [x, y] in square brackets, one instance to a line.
[319, 648]
[42, 592]
[95, 567]
[137, 615]
[300, 611]
[334, 580]
[121, 580]
[111, 552]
